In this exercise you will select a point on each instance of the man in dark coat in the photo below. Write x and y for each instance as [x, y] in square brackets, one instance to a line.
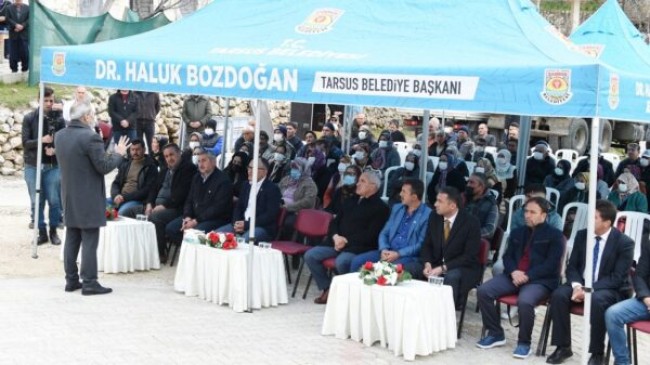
[355, 230]
[83, 166]
[532, 264]
[135, 178]
[456, 256]
[123, 110]
[613, 253]
[148, 109]
[17, 20]
[268, 198]
[540, 165]
[209, 203]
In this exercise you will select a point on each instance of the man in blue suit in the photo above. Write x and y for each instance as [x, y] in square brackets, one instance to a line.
[266, 211]
[401, 238]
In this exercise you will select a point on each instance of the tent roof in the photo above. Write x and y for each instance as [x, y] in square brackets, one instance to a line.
[473, 55]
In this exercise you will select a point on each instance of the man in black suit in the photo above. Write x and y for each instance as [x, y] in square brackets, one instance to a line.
[451, 246]
[613, 253]
[268, 199]
[17, 19]
[532, 265]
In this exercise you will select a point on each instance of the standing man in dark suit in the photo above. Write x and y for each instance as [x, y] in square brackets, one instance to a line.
[532, 264]
[613, 253]
[630, 310]
[268, 199]
[451, 245]
[83, 164]
[17, 19]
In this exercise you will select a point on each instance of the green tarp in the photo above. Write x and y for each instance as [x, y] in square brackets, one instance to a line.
[49, 28]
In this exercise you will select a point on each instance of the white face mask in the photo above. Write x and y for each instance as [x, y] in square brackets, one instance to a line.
[418, 153]
[644, 162]
[580, 186]
[278, 157]
[208, 131]
[359, 155]
[278, 137]
[342, 167]
[311, 160]
[409, 165]
[362, 135]
[559, 171]
[194, 144]
[479, 170]
[195, 159]
[538, 156]
[501, 161]
[622, 188]
[442, 165]
[383, 144]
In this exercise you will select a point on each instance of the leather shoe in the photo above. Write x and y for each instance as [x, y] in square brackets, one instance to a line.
[42, 238]
[559, 355]
[95, 289]
[323, 297]
[72, 286]
[595, 359]
[54, 237]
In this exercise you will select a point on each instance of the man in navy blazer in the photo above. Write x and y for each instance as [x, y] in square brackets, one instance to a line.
[401, 238]
[454, 257]
[613, 254]
[532, 265]
[268, 199]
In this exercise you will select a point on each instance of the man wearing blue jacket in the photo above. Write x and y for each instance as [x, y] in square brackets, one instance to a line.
[401, 238]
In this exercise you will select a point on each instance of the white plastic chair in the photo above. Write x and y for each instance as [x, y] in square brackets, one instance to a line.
[613, 158]
[634, 228]
[434, 161]
[494, 193]
[470, 166]
[569, 155]
[515, 202]
[429, 177]
[403, 149]
[384, 197]
[579, 222]
[553, 195]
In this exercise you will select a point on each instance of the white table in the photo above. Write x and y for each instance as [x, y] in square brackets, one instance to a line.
[126, 245]
[412, 318]
[221, 276]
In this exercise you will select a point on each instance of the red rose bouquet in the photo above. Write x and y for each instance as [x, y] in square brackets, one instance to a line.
[111, 212]
[383, 273]
[226, 241]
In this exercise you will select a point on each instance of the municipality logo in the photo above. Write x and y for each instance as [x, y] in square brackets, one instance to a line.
[58, 63]
[614, 91]
[319, 21]
[557, 86]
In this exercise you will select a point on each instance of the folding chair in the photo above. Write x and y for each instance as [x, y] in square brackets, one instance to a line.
[311, 224]
[633, 228]
[384, 195]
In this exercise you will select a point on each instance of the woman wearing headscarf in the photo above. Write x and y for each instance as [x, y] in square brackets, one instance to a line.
[236, 171]
[626, 196]
[506, 173]
[579, 192]
[280, 164]
[361, 156]
[561, 178]
[317, 162]
[448, 173]
[484, 166]
[336, 180]
[347, 190]
[298, 190]
[157, 145]
[410, 170]
[385, 155]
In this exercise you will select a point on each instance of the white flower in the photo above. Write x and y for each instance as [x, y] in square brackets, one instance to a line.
[392, 278]
[222, 237]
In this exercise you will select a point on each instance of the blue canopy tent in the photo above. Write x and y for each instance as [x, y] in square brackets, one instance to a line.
[474, 55]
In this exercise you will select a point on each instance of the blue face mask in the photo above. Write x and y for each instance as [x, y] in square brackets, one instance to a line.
[295, 174]
[349, 180]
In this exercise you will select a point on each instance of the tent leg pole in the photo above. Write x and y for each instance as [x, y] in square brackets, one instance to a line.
[424, 161]
[251, 226]
[39, 160]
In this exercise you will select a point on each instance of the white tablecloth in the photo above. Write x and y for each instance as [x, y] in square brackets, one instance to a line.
[221, 276]
[126, 245]
[412, 318]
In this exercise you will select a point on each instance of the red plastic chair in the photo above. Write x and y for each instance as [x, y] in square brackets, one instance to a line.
[576, 308]
[311, 224]
[330, 265]
[483, 254]
[643, 326]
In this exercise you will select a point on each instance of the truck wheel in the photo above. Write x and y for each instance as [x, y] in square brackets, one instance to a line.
[605, 135]
[578, 136]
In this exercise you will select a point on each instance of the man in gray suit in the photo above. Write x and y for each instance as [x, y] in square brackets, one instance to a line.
[83, 165]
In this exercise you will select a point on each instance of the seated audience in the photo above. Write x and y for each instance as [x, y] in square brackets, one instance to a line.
[267, 196]
[560, 179]
[157, 145]
[411, 170]
[279, 164]
[395, 134]
[613, 252]
[536, 190]
[354, 230]
[211, 139]
[293, 139]
[451, 171]
[209, 202]
[236, 172]
[540, 165]
[481, 204]
[506, 173]
[578, 193]
[626, 196]
[310, 138]
[608, 169]
[490, 140]
[280, 139]
[632, 163]
[336, 180]
[346, 190]
[401, 238]
[298, 190]
[532, 271]
[438, 143]
[385, 155]
[135, 178]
